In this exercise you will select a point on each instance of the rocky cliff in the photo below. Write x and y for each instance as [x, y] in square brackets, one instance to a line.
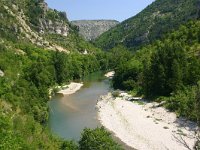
[53, 22]
[32, 21]
[53, 27]
[91, 29]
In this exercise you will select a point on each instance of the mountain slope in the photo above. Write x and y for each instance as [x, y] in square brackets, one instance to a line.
[33, 22]
[91, 29]
[169, 68]
[39, 49]
[152, 23]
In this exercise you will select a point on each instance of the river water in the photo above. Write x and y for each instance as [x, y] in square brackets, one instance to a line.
[69, 115]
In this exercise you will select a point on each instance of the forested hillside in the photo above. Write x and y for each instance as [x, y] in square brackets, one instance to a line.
[167, 70]
[159, 18]
[33, 22]
[39, 49]
[24, 94]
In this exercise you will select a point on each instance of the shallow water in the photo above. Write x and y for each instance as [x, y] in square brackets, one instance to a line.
[69, 115]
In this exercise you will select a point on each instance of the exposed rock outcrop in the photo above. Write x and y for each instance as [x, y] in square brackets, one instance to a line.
[53, 27]
[34, 22]
[91, 29]
[25, 30]
[1, 73]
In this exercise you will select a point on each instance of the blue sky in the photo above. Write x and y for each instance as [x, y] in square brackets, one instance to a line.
[99, 9]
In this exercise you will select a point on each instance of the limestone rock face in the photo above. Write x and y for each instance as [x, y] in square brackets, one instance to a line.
[91, 29]
[37, 34]
[54, 27]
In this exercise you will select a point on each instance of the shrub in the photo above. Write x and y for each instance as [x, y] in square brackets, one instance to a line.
[99, 139]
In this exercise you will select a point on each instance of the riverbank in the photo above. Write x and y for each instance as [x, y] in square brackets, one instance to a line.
[70, 114]
[74, 87]
[143, 125]
[70, 89]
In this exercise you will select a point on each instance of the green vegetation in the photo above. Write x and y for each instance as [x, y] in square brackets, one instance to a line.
[56, 15]
[72, 42]
[99, 139]
[37, 18]
[24, 91]
[152, 23]
[115, 93]
[167, 70]
[30, 71]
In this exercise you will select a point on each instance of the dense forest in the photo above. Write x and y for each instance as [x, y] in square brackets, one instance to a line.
[163, 69]
[31, 65]
[167, 70]
[24, 91]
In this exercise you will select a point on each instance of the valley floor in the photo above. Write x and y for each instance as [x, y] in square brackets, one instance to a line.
[145, 125]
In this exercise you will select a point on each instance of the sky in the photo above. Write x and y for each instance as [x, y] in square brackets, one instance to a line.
[99, 9]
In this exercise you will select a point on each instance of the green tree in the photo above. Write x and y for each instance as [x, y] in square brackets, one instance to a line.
[60, 65]
[69, 145]
[176, 81]
[127, 75]
[97, 138]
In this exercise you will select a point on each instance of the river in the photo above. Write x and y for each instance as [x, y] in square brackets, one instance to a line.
[69, 115]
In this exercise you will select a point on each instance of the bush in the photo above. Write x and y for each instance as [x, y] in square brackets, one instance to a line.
[197, 145]
[115, 93]
[97, 139]
[183, 103]
[69, 145]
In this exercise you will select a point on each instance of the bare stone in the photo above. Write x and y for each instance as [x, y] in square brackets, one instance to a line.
[1, 73]
[91, 29]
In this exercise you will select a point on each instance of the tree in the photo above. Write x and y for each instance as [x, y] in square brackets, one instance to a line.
[176, 80]
[69, 145]
[59, 60]
[98, 138]
[127, 75]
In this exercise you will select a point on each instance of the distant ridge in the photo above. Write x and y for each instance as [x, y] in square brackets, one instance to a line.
[157, 19]
[91, 29]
